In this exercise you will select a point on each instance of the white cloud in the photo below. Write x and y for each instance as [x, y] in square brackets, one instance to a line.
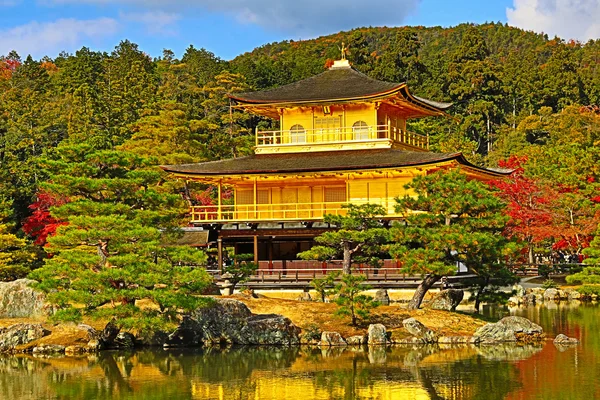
[155, 22]
[293, 16]
[49, 38]
[568, 19]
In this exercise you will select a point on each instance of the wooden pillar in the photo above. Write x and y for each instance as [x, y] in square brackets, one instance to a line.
[220, 254]
[256, 249]
[271, 253]
[219, 214]
[255, 196]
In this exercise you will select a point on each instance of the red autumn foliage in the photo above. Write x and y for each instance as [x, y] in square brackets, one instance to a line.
[7, 67]
[41, 223]
[527, 205]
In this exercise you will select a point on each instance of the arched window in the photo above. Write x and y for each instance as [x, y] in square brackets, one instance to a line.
[360, 129]
[297, 134]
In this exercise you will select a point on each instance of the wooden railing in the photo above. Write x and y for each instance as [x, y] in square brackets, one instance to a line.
[341, 135]
[272, 212]
[291, 278]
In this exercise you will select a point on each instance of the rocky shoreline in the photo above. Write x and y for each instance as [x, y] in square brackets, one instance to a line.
[230, 322]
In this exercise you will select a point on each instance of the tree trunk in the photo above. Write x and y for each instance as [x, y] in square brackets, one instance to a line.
[479, 292]
[425, 285]
[531, 260]
[347, 263]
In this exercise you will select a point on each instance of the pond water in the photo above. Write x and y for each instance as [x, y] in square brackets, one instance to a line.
[433, 372]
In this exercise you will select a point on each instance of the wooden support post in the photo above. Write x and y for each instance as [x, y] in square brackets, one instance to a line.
[271, 254]
[219, 214]
[220, 254]
[256, 249]
[255, 199]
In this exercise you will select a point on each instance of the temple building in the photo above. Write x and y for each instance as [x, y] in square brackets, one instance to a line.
[342, 139]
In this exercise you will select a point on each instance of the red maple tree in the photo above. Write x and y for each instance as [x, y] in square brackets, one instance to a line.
[528, 206]
[41, 224]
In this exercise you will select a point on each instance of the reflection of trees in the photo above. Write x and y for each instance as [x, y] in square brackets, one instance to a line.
[243, 372]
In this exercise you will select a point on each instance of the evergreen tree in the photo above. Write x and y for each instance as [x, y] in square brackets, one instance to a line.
[359, 237]
[16, 258]
[450, 220]
[225, 131]
[110, 254]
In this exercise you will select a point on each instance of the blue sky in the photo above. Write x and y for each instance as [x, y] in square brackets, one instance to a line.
[231, 27]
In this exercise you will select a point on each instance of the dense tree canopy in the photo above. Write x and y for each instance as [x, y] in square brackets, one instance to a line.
[451, 220]
[514, 93]
[113, 249]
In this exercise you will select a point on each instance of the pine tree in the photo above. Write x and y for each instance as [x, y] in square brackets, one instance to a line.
[450, 220]
[359, 237]
[110, 254]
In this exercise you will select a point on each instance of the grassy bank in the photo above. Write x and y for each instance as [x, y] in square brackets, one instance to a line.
[305, 314]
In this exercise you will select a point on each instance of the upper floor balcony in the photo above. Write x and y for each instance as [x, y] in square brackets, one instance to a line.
[280, 212]
[299, 139]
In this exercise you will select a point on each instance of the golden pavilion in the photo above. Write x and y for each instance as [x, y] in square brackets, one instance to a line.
[342, 139]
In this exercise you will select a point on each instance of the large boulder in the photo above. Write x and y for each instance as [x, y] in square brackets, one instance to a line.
[377, 334]
[420, 331]
[510, 329]
[230, 321]
[19, 334]
[382, 297]
[268, 329]
[447, 299]
[19, 300]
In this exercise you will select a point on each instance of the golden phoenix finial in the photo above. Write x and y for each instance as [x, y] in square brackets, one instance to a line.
[344, 50]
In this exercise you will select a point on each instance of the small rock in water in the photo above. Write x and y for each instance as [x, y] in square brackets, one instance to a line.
[551, 294]
[356, 340]
[565, 340]
[377, 334]
[454, 339]
[419, 330]
[74, 350]
[332, 339]
[49, 349]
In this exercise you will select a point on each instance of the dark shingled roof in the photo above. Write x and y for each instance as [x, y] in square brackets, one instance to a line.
[335, 83]
[436, 104]
[316, 162]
